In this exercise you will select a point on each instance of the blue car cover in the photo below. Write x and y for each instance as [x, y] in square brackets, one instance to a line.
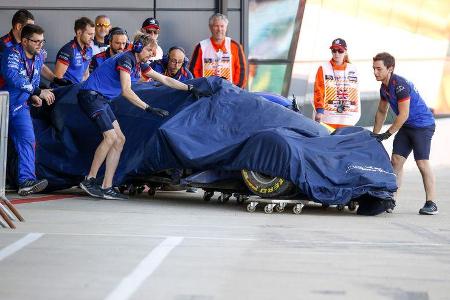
[231, 129]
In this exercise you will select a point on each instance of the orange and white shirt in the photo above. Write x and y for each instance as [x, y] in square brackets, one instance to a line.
[226, 60]
[336, 94]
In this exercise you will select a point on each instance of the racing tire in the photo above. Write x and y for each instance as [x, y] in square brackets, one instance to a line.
[266, 186]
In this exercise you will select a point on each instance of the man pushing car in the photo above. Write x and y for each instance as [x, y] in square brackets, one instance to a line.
[111, 79]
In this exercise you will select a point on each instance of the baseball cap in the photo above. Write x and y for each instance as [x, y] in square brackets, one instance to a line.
[150, 23]
[339, 44]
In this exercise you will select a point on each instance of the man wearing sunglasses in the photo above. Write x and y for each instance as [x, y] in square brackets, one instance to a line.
[73, 59]
[102, 28]
[336, 89]
[21, 68]
[151, 27]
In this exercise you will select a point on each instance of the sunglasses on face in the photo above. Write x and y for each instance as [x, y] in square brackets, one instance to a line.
[337, 50]
[152, 31]
[102, 25]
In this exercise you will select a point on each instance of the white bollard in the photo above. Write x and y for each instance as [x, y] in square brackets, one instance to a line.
[5, 206]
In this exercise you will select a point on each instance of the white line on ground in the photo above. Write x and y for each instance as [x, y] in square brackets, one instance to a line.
[251, 239]
[146, 267]
[16, 246]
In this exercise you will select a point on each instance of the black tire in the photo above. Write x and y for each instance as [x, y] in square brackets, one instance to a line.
[266, 186]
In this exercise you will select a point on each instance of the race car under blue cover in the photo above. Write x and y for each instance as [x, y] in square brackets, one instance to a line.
[226, 135]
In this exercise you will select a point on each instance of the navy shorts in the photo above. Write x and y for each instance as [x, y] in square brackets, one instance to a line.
[97, 108]
[410, 139]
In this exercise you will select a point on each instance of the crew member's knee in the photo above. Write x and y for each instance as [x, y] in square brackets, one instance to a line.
[110, 137]
[397, 161]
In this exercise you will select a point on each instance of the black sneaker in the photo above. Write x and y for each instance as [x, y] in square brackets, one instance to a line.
[91, 187]
[111, 194]
[430, 208]
[32, 186]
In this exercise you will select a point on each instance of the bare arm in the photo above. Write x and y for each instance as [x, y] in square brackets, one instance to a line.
[403, 114]
[380, 116]
[47, 73]
[127, 92]
[60, 69]
[170, 82]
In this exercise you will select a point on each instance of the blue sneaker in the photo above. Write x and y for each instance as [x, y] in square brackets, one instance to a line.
[90, 186]
[32, 186]
[111, 194]
[430, 208]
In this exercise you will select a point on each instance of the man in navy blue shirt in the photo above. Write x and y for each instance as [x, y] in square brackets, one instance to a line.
[174, 64]
[113, 78]
[414, 125]
[21, 68]
[72, 60]
[117, 40]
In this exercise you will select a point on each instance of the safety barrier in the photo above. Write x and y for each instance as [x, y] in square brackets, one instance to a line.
[7, 210]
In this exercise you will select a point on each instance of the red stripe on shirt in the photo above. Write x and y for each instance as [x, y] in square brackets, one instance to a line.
[404, 99]
[123, 69]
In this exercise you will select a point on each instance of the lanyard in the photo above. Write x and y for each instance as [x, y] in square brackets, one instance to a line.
[29, 68]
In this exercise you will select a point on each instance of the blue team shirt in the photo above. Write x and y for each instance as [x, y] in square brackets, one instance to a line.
[105, 79]
[160, 66]
[399, 89]
[98, 59]
[76, 58]
[22, 76]
[6, 41]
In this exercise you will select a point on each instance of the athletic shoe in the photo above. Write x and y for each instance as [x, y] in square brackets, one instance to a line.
[90, 186]
[111, 194]
[430, 208]
[32, 186]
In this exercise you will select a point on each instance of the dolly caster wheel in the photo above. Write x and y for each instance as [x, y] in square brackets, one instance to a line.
[207, 196]
[297, 209]
[340, 207]
[240, 198]
[280, 207]
[224, 197]
[352, 206]
[251, 207]
[268, 209]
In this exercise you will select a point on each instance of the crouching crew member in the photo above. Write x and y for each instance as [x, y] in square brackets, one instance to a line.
[21, 68]
[111, 79]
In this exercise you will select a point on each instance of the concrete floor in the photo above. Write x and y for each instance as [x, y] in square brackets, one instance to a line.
[176, 246]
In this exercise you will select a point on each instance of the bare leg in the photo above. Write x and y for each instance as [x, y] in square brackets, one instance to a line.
[102, 151]
[397, 163]
[113, 157]
[427, 178]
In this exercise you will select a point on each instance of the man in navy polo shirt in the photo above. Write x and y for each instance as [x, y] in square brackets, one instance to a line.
[72, 60]
[117, 40]
[414, 125]
[21, 67]
[113, 78]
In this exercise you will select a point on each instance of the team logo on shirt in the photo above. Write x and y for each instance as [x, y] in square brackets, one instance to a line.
[399, 88]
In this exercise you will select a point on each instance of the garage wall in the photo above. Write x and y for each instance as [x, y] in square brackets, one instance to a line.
[183, 22]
